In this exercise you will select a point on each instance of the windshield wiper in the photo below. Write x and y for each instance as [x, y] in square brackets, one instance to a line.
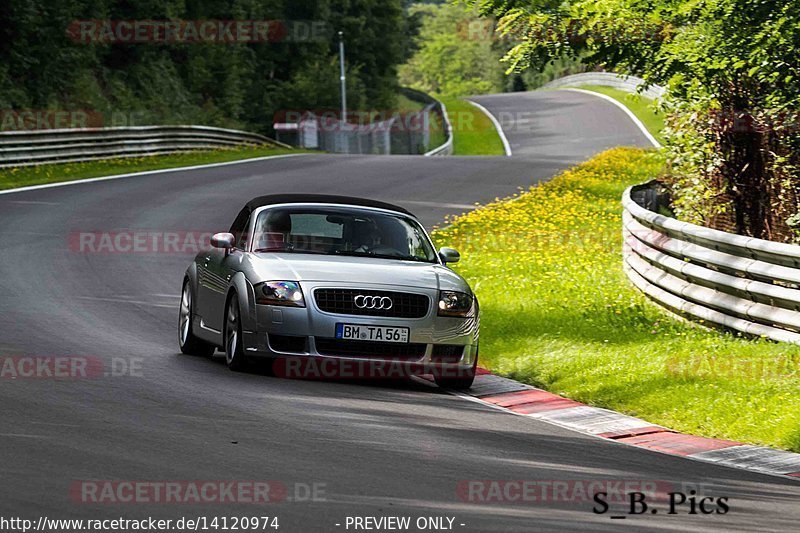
[368, 253]
[349, 253]
[403, 258]
[354, 253]
[285, 251]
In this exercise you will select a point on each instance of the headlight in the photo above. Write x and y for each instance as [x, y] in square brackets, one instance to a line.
[453, 303]
[286, 293]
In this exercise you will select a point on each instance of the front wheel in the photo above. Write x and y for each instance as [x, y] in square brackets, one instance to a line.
[188, 343]
[461, 382]
[234, 349]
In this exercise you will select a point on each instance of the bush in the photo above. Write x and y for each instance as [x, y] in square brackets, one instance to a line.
[558, 312]
[731, 70]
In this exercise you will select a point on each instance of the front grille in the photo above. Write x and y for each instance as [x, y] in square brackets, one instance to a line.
[288, 343]
[369, 349]
[447, 353]
[342, 302]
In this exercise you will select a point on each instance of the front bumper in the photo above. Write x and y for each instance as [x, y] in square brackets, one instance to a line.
[313, 332]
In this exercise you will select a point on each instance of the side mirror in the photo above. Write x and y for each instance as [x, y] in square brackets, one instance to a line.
[449, 255]
[226, 241]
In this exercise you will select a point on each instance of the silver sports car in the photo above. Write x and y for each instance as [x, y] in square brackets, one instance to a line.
[336, 279]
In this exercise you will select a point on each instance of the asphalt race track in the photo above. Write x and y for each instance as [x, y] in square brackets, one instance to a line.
[379, 448]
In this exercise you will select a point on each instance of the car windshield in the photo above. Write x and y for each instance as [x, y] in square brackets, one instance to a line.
[341, 231]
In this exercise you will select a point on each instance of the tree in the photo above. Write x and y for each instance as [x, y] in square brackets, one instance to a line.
[732, 72]
[457, 56]
[239, 84]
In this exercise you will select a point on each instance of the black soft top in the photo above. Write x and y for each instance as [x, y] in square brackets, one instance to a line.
[239, 224]
[274, 199]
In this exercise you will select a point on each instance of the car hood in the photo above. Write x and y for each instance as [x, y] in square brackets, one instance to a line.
[371, 271]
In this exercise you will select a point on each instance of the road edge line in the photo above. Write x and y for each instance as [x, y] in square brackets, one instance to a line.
[498, 127]
[624, 108]
[145, 173]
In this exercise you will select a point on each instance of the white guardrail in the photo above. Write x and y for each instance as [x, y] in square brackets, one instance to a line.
[447, 147]
[25, 148]
[628, 84]
[741, 283]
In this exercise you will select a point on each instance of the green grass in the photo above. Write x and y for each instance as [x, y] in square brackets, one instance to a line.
[640, 106]
[473, 132]
[559, 313]
[24, 176]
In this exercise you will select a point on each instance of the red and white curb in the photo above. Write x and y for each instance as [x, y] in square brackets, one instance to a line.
[518, 398]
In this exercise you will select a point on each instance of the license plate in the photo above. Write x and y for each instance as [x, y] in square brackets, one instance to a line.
[361, 332]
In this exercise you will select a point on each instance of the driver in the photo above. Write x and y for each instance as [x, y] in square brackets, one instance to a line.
[365, 236]
[274, 231]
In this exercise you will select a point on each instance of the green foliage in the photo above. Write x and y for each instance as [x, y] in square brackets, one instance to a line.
[235, 85]
[534, 78]
[558, 312]
[732, 70]
[457, 56]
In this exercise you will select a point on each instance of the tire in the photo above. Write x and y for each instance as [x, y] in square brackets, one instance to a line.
[189, 344]
[458, 383]
[234, 348]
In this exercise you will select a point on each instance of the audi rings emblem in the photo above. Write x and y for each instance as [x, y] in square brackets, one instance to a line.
[373, 302]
